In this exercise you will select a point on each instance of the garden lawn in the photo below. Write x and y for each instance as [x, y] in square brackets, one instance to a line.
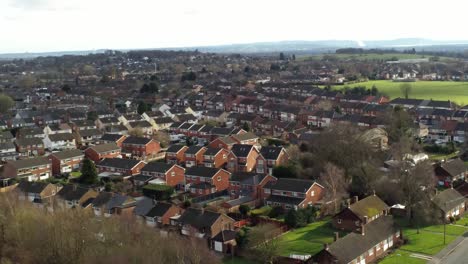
[75, 174]
[436, 90]
[307, 240]
[400, 257]
[463, 221]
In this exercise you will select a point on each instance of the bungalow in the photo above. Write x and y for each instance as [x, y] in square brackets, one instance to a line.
[450, 202]
[27, 147]
[242, 158]
[203, 180]
[271, 157]
[449, 171]
[33, 169]
[203, 223]
[194, 156]
[365, 246]
[167, 174]
[215, 157]
[292, 193]
[107, 204]
[37, 192]
[102, 151]
[72, 195]
[66, 161]
[140, 148]
[124, 167]
[359, 212]
[61, 141]
[161, 213]
[113, 138]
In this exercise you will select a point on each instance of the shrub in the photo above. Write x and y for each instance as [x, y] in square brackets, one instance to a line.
[158, 191]
[275, 212]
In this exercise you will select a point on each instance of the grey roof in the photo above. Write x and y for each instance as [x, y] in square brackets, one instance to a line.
[248, 178]
[212, 151]
[202, 171]
[119, 163]
[28, 163]
[241, 150]
[293, 185]
[245, 136]
[105, 147]
[32, 187]
[194, 149]
[271, 153]
[448, 199]
[454, 167]
[89, 132]
[159, 167]
[71, 192]
[137, 140]
[225, 235]
[7, 145]
[66, 154]
[29, 141]
[143, 205]
[61, 137]
[111, 137]
[200, 219]
[353, 245]
[285, 199]
[175, 148]
[113, 200]
[158, 210]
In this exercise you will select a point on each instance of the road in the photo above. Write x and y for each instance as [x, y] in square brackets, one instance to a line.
[458, 255]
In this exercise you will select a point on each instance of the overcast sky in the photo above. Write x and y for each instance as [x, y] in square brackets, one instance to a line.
[63, 25]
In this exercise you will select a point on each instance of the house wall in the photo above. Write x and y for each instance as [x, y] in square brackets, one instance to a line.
[349, 221]
[57, 164]
[91, 154]
[223, 223]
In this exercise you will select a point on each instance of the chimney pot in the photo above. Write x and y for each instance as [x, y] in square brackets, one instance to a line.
[366, 220]
[356, 199]
[337, 236]
[325, 246]
[363, 230]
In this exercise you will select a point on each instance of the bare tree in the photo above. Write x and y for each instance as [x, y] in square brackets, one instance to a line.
[263, 244]
[335, 183]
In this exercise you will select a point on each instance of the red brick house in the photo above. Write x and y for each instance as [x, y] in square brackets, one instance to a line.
[168, 174]
[175, 154]
[292, 193]
[204, 180]
[113, 138]
[203, 223]
[140, 148]
[161, 213]
[215, 157]
[365, 246]
[66, 161]
[359, 212]
[194, 156]
[33, 169]
[242, 158]
[450, 171]
[223, 142]
[99, 152]
[124, 167]
[271, 157]
[250, 184]
[27, 147]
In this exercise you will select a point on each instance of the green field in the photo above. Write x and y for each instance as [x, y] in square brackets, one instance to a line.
[368, 56]
[308, 240]
[436, 90]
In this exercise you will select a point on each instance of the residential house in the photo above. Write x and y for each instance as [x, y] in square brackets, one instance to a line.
[215, 157]
[292, 193]
[449, 171]
[248, 138]
[74, 196]
[123, 167]
[102, 151]
[360, 212]
[8, 151]
[365, 246]
[450, 202]
[32, 169]
[37, 192]
[204, 180]
[242, 158]
[61, 141]
[107, 204]
[66, 161]
[27, 147]
[271, 157]
[175, 154]
[140, 148]
[223, 142]
[167, 174]
[161, 213]
[249, 184]
[203, 223]
[88, 137]
[224, 242]
[57, 128]
[113, 138]
[194, 156]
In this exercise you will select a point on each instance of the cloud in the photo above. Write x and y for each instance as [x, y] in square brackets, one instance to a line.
[30, 4]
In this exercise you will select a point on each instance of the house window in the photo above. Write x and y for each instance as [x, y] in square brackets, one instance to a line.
[312, 193]
[339, 221]
[173, 173]
[357, 223]
[371, 252]
[219, 178]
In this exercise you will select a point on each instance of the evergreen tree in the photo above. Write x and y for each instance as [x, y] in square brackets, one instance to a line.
[88, 172]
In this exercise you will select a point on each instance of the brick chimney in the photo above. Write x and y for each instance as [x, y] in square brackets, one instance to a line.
[366, 220]
[325, 246]
[356, 199]
[363, 229]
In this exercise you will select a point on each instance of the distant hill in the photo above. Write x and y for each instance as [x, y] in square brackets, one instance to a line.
[298, 47]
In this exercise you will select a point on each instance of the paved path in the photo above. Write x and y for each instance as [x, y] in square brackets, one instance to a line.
[455, 253]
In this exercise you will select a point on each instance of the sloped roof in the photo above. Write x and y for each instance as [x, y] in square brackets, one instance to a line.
[454, 167]
[448, 199]
[200, 219]
[202, 172]
[105, 147]
[119, 163]
[158, 210]
[270, 152]
[293, 185]
[28, 163]
[369, 206]
[66, 154]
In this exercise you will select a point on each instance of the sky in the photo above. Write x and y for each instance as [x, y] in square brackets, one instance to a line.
[68, 25]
